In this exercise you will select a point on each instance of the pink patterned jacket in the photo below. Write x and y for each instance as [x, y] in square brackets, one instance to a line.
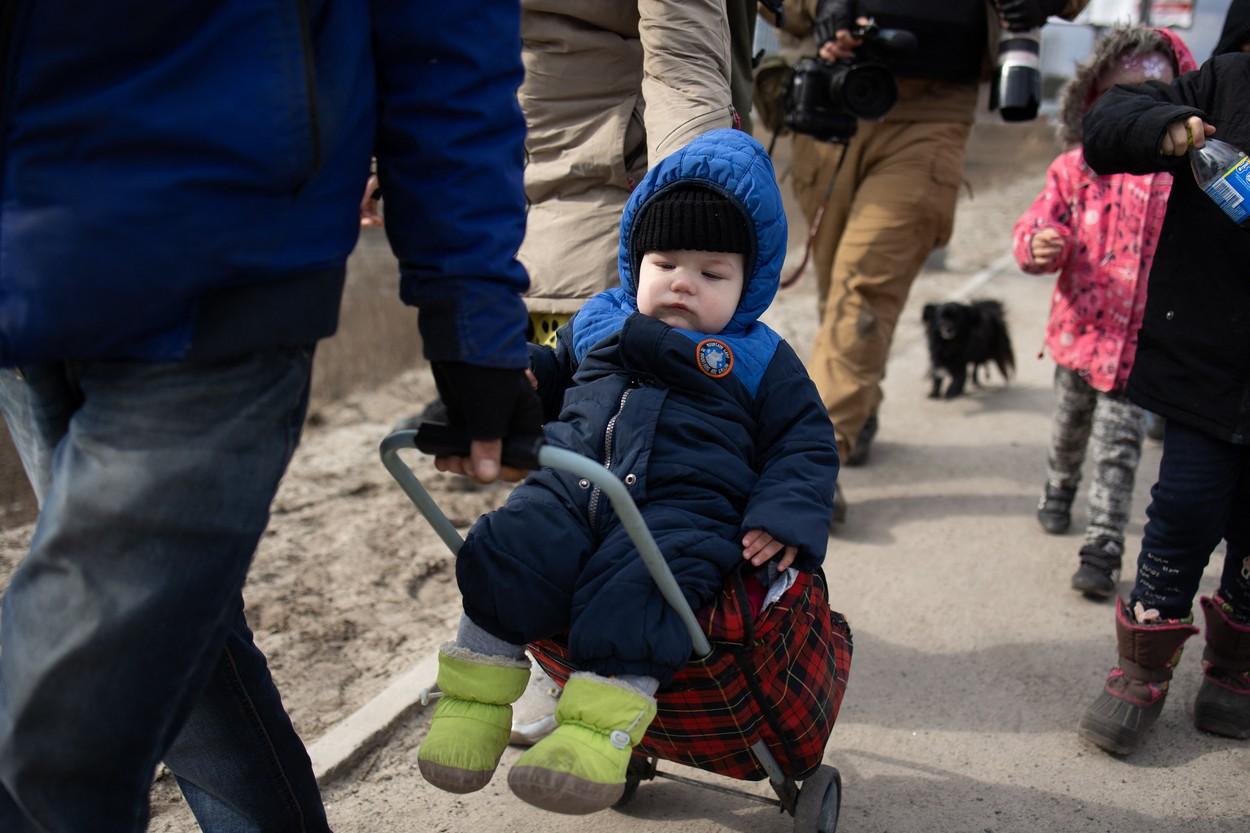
[1110, 228]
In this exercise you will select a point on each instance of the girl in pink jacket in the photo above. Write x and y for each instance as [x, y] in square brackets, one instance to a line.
[1100, 233]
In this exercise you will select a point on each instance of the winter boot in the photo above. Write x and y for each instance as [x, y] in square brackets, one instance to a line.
[1054, 512]
[471, 723]
[863, 443]
[580, 767]
[1134, 692]
[1100, 567]
[839, 509]
[534, 715]
[1223, 703]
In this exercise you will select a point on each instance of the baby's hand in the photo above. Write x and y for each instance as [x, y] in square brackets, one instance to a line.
[1183, 135]
[1045, 247]
[758, 546]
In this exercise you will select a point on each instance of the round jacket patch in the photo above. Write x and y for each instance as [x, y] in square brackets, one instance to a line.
[714, 358]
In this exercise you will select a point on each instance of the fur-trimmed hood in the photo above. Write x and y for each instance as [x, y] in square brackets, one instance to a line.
[1078, 94]
[1236, 28]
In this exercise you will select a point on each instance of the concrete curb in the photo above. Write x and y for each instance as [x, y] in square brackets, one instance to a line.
[362, 731]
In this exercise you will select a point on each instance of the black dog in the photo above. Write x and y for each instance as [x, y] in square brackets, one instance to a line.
[960, 335]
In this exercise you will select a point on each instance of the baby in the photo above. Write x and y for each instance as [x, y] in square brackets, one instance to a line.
[711, 422]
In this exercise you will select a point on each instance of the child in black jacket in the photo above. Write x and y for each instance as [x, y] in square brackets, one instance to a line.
[1193, 367]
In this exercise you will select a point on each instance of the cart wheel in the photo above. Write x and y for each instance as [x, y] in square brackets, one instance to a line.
[820, 801]
[641, 768]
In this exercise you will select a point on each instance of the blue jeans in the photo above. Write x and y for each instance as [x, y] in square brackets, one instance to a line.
[1202, 496]
[122, 636]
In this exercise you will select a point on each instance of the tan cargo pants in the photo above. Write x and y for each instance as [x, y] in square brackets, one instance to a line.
[893, 203]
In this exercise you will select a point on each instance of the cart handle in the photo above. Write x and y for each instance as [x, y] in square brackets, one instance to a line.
[563, 460]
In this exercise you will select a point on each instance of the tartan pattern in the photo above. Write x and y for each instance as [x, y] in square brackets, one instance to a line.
[780, 679]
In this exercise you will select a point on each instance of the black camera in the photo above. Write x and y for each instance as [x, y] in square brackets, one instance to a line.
[825, 100]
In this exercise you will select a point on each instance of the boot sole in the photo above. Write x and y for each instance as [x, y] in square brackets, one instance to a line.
[1116, 726]
[453, 779]
[561, 792]
[1221, 713]
[1054, 528]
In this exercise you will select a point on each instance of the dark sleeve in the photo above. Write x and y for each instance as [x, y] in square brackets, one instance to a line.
[1123, 129]
[451, 146]
[797, 461]
[554, 369]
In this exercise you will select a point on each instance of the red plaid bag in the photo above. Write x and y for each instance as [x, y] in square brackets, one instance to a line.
[779, 678]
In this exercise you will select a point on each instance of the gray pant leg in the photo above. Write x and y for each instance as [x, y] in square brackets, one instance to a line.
[1069, 435]
[1117, 431]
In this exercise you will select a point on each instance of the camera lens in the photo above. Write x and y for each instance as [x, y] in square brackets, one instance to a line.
[867, 91]
[1018, 89]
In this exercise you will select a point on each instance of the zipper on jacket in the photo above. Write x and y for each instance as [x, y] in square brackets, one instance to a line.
[310, 82]
[608, 434]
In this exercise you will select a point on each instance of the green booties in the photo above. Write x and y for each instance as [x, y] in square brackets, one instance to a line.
[580, 767]
[472, 721]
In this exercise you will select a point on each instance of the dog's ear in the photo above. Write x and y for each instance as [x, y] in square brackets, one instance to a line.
[928, 313]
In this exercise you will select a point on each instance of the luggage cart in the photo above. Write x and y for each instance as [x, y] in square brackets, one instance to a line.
[816, 803]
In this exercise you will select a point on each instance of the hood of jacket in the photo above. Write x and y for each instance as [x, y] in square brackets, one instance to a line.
[1079, 94]
[1236, 28]
[734, 164]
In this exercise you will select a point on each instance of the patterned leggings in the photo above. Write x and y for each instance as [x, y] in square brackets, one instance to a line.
[1116, 425]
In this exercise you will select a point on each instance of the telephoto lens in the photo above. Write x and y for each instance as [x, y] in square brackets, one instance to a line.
[1017, 89]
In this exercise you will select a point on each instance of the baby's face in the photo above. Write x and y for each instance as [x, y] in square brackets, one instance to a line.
[690, 289]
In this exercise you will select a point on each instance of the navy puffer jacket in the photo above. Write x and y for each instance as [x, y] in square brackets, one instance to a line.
[707, 454]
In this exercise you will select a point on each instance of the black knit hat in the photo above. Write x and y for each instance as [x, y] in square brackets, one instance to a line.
[690, 217]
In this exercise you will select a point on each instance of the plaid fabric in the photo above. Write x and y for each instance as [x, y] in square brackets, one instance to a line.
[780, 678]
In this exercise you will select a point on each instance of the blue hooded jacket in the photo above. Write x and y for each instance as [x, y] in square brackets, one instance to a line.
[182, 179]
[714, 434]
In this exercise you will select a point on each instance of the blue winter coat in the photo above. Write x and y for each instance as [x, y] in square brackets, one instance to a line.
[182, 178]
[714, 435]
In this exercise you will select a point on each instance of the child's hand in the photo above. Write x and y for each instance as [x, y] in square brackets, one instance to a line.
[1183, 135]
[1045, 247]
[758, 546]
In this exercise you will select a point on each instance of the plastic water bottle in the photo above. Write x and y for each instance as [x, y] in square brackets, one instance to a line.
[1223, 172]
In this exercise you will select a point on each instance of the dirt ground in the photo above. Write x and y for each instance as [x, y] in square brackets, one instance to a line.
[350, 588]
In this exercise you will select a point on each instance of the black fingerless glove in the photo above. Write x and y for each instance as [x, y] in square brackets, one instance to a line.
[1022, 15]
[832, 16]
[490, 402]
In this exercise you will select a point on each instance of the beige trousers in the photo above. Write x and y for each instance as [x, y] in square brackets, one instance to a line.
[893, 203]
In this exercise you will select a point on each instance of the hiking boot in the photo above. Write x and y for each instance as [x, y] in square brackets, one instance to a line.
[1135, 690]
[1100, 567]
[1223, 703]
[1054, 512]
[469, 730]
[839, 508]
[534, 715]
[863, 443]
[580, 767]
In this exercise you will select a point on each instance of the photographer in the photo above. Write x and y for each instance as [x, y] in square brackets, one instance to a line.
[891, 199]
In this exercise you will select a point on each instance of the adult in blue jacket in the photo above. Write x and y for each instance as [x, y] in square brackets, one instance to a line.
[179, 190]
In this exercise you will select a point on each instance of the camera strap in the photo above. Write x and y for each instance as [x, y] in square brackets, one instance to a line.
[817, 219]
